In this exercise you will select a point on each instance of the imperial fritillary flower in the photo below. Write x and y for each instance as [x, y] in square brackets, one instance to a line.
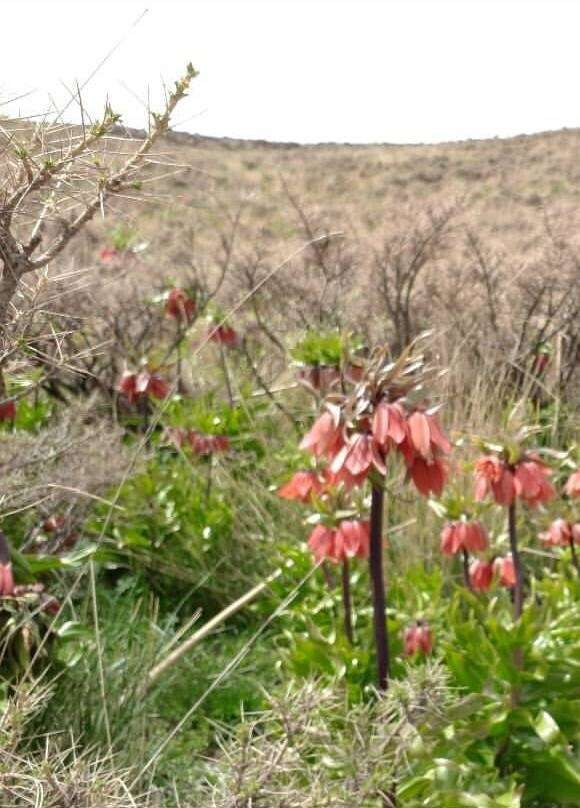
[418, 639]
[480, 574]
[505, 569]
[145, 383]
[572, 487]
[349, 540]
[325, 438]
[302, 486]
[7, 411]
[561, 533]
[180, 305]
[463, 535]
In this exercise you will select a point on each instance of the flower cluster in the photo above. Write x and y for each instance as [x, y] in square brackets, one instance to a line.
[561, 533]
[349, 539]
[526, 479]
[145, 384]
[198, 442]
[353, 450]
[483, 573]
[463, 535]
[418, 639]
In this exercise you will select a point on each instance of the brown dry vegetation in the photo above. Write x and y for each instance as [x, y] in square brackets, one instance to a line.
[480, 236]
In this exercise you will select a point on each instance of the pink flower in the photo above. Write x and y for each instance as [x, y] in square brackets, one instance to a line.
[151, 384]
[6, 579]
[558, 534]
[418, 639]
[201, 444]
[342, 477]
[145, 383]
[224, 335]
[504, 567]
[7, 411]
[302, 486]
[427, 437]
[108, 254]
[493, 476]
[352, 539]
[461, 535]
[358, 456]
[324, 438]
[480, 575]
[572, 487]
[531, 482]
[429, 476]
[322, 543]
[180, 305]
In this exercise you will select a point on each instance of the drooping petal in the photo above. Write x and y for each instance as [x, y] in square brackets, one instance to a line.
[449, 544]
[504, 567]
[322, 543]
[504, 491]
[324, 438]
[480, 575]
[301, 486]
[476, 537]
[572, 487]
[438, 437]
[420, 433]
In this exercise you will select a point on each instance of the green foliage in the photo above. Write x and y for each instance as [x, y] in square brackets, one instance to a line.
[325, 348]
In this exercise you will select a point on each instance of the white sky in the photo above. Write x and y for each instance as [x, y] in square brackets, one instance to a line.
[306, 70]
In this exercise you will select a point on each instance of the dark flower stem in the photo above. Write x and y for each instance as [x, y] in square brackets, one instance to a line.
[518, 593]
[573, 551]
[378, 585]
[346, 601]
[518, 568]
[466, 569]
[227, 378]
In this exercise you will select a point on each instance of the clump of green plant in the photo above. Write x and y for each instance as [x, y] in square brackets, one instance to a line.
[325, 348]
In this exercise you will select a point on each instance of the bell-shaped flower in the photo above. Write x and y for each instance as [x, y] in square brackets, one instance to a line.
[358, 455]
[480, 574]
[429, 476]
[418, 639]
[325, 437]
[492, 476]
[302, 486]
[531, 482]
[463, 535]
[505, 569]
[180, 305]
[322, 542]
[224, 335]
[426, 436]
[352, 539]
[7, 410]
[558, 534]
[389, 425]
